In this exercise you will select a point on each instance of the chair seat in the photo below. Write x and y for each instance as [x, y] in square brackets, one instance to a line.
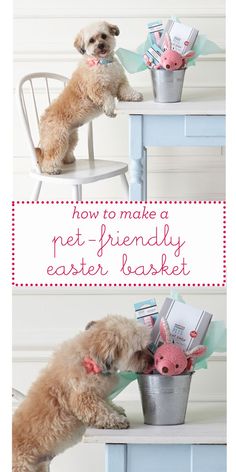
[83, 171]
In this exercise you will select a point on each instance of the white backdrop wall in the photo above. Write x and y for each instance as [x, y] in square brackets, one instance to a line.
[44, 35]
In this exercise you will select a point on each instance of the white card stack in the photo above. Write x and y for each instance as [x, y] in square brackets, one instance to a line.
[188, 324]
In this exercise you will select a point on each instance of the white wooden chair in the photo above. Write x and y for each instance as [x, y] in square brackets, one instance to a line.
[82, 171]
[17, 397]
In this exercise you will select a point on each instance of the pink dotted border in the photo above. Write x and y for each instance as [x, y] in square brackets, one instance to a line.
[154, 202]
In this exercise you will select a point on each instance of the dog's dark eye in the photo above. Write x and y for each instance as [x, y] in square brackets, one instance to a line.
[92, 40]
[103, 36]
[177, 365]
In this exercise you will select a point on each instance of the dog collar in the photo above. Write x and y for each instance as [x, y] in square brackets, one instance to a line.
[92, 61]
[92, 367]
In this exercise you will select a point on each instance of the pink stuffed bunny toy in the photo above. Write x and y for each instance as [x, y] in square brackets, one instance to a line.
[173, 60]
[170, 359]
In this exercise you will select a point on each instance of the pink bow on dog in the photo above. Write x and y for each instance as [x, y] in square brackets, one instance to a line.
[92, 61]
[91, 366]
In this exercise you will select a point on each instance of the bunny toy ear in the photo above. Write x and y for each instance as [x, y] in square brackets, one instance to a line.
[188, 55]
[196, 351]
[167, 42]
[165, 331]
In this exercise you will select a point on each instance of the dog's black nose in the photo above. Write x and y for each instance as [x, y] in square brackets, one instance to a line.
[164, 370]
[101, 46]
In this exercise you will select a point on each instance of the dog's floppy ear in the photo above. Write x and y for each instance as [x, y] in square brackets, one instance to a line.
[106, 347]
[114, 30]
[91, 323]
[79, 43]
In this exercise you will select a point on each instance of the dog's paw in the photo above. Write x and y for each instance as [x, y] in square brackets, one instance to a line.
[121, 423]
[52, 172]
[110, 112]
[109, 107]
[114, 421]
[50, 168]
[69, 158]
[137, 97]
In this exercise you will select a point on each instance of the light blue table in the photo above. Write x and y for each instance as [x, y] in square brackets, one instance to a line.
[199, 120]
[197, 446]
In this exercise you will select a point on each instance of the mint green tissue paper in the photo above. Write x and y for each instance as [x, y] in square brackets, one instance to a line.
[125, 378]
[132, 61]
[215, 341]
[176, 295]
[203, 47]
[142, 48]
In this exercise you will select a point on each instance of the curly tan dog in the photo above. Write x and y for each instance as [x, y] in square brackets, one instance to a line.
[71, 393]
[91, 91]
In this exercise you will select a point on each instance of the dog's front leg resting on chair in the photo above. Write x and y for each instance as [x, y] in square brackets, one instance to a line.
[94, 411]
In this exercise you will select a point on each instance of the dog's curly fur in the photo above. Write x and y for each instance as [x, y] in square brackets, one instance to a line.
[90, 92]
[65, 399]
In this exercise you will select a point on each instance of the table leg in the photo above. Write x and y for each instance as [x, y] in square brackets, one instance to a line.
[116, 455]
[136, 154]
[145, 174]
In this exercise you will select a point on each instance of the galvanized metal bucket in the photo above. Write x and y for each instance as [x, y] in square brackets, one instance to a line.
[164, 399]
[167, 85]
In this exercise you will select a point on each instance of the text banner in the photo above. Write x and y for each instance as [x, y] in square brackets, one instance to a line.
[119, 244]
